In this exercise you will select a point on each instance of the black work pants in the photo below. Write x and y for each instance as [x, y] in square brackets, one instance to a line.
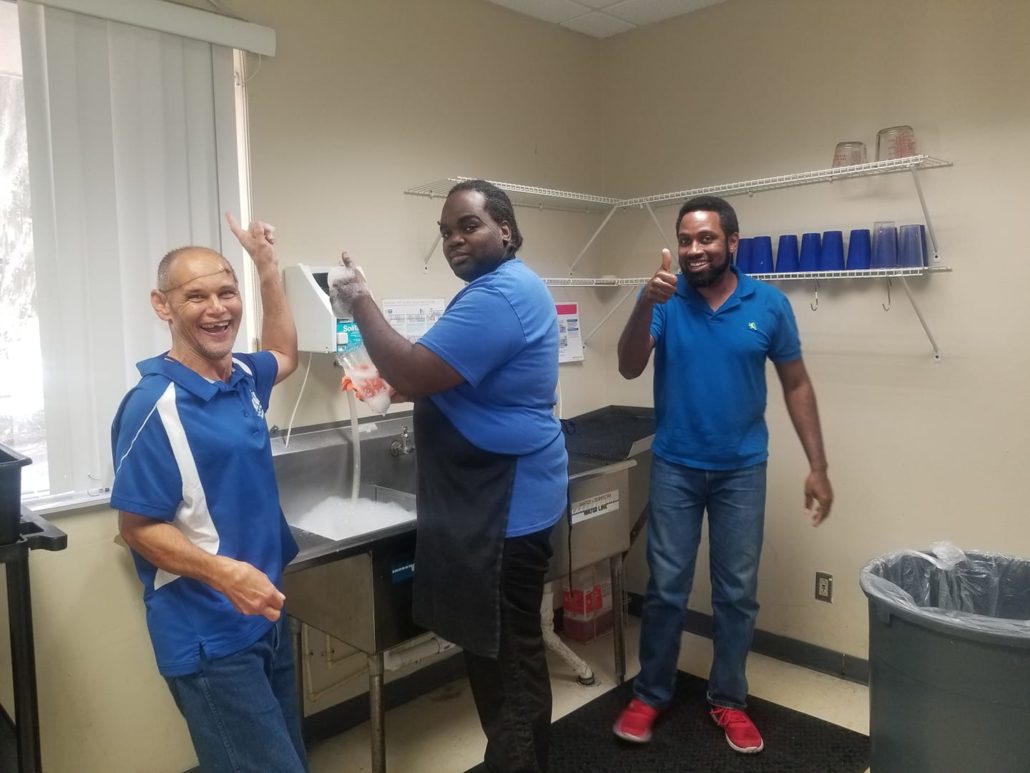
[513, 692]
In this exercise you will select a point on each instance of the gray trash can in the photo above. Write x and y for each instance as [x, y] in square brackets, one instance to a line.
[949, 656]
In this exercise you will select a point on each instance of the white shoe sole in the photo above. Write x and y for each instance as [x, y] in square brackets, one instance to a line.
[631, 738]
[745, 750]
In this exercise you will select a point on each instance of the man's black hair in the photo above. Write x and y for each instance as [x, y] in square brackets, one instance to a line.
[727, 215]
[497, 205]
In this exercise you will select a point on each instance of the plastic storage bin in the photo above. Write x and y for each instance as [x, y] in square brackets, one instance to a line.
[949, 655]
[11, 463]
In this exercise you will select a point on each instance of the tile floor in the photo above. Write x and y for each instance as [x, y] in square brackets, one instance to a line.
[439, 732]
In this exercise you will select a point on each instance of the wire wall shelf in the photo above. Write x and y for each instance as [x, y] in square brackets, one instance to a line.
[525, 195]
[549, 198]
[569, 201]
[794, 276]
[795, 179]
[873, 273]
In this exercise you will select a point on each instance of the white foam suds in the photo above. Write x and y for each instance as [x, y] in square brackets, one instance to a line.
[338, 517]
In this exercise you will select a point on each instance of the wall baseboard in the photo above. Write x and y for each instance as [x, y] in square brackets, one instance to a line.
[783, 648]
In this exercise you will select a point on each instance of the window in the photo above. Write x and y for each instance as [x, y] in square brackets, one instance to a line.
[129, 133]
[22, 417]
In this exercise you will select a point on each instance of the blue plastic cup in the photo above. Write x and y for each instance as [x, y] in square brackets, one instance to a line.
[860, 245]
[831, 256]
[885, 246]
[811, 246]
[761, 255]
[787, 260]
[912, 251]
[744, 249]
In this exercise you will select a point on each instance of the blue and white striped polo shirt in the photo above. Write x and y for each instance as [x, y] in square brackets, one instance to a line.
[196, 454]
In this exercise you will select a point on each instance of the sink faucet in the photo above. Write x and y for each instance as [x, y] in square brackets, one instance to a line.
[403, 446]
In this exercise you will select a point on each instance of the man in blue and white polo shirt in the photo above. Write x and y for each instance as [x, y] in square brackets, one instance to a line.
[199, 507]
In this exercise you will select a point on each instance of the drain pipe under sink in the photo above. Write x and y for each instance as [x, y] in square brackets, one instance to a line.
[415, 650]
[584, 674]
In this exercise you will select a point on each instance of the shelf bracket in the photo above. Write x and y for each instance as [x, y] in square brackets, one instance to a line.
[632, 291]
[658, 226]
[922, 321]
[429, 255]
[887, 305]
[597, 233]
[931, 236]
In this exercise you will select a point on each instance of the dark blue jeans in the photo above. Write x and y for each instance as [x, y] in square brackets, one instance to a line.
[242, 710]
[735, 501]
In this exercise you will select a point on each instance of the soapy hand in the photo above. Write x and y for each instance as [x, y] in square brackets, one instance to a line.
[346, 284]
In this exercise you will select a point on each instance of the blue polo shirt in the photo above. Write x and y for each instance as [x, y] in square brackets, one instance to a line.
[196, 454]
[501, 334]
[709, 377]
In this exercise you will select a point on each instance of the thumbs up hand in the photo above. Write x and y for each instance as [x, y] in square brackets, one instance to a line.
[662, 285]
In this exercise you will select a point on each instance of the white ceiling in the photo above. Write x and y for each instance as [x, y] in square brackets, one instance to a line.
[604, 18]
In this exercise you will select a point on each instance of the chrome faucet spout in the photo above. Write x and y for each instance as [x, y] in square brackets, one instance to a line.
[403, 446]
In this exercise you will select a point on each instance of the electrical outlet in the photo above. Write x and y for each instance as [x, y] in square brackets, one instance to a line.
[824, 586]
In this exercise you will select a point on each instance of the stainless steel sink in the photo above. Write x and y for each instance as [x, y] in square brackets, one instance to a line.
[357, 588]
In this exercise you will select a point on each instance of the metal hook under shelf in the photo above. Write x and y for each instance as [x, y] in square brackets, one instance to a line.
[887, 305]
[815, 306]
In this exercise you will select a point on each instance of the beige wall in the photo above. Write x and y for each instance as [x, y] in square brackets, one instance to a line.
[363, 100]
[918, 451]
[366, 99]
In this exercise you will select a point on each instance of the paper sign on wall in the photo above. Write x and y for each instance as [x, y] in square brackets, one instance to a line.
[412, 317]
[570, 342]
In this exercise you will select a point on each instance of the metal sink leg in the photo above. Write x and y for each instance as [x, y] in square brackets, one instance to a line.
[618, 610]
[376, 718]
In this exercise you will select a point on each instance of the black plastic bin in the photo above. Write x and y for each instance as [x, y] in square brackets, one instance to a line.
[11, 463]
[949, 655]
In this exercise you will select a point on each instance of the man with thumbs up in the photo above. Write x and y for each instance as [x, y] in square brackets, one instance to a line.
[712, 329]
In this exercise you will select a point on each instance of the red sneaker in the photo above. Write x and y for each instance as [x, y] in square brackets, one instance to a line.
[634, 723]
[741, 733]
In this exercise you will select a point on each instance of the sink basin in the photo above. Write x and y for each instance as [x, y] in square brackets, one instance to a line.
[315, 472]
[352, 577]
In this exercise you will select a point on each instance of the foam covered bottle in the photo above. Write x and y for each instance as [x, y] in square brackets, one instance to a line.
[352, 355]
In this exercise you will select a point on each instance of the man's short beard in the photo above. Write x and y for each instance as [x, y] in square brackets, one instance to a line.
[708, 278]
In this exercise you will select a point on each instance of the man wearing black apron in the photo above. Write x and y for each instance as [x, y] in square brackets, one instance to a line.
[492, 466]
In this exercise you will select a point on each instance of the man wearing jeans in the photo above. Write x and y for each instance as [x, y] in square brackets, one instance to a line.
[712, 329]
[199, 507]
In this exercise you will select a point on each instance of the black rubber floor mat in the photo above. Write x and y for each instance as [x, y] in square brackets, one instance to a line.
[685, 739]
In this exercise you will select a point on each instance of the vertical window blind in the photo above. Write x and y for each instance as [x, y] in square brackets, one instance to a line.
[132, 145]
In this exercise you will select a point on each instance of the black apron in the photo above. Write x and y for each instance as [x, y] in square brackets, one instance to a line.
[464, 495]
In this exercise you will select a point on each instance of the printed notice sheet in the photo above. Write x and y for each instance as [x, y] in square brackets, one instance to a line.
[412, 317]
[570, 343]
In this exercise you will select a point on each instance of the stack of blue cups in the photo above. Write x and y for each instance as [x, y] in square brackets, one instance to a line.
[885, 247]
[859, 249]
[811, 247]
[787, 260]
[761, 255]
[831, 256]
[912, 252]
[744, 248]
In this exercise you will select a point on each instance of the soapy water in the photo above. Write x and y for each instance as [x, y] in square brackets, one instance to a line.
[338, 517]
